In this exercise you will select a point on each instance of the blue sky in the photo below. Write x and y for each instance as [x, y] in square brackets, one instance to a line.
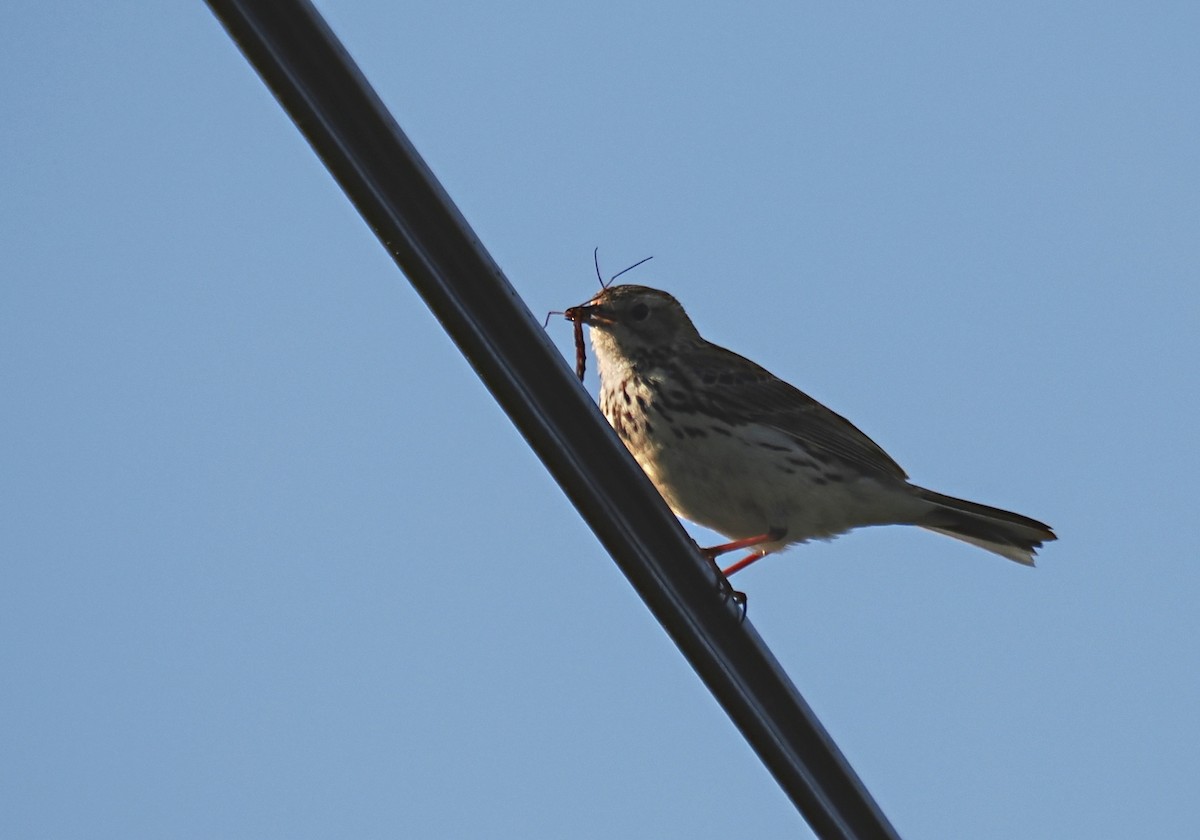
[275, 564]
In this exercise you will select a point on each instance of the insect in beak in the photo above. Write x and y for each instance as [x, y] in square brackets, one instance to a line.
[580, 315]
[577, 315]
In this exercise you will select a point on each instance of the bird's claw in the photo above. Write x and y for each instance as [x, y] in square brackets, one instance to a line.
[726, 589]
[734, 595]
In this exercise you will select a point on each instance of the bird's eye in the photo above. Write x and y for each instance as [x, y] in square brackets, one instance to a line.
[639, 312]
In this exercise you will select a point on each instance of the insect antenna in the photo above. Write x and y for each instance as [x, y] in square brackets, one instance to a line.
[596, 261]
[631, 268]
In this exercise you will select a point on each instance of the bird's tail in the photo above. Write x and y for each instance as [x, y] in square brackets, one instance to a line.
[999, 531]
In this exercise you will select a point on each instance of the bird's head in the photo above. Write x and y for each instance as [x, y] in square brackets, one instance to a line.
[634, 318]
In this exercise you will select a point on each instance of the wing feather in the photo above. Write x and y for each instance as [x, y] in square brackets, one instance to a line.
[746, 392]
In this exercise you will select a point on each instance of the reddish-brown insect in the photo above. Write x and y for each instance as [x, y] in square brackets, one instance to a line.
[580, 354]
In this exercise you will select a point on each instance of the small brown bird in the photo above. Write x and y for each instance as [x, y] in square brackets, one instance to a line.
[738, 450]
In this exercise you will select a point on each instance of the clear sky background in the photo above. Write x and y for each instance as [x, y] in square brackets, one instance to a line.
[275, 565]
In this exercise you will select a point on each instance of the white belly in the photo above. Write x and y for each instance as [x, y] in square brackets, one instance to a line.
[749, 480]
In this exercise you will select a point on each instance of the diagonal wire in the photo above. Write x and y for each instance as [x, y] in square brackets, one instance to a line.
[326, 95]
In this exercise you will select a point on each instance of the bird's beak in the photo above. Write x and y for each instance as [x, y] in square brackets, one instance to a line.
[588, 313]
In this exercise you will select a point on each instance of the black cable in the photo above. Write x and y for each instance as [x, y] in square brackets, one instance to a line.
[323, 91]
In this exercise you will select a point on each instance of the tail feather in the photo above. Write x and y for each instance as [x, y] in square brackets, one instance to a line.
[1000, 531]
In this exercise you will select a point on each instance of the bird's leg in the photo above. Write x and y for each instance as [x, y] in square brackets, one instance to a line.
[724, 548]
[715, 551]
[744, 562]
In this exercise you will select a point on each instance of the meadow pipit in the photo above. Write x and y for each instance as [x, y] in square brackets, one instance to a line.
[738, 450]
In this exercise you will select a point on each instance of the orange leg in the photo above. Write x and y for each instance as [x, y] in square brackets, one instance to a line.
[746, 542]
[744, 562]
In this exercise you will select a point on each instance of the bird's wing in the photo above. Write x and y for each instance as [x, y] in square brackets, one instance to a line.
[738, 388]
